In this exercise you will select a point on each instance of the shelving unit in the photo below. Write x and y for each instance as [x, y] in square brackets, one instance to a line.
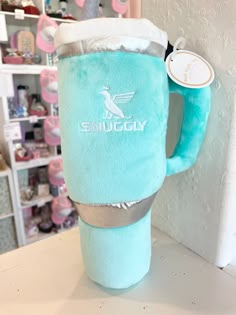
[27, 75]
[23, 69]
[10, 217]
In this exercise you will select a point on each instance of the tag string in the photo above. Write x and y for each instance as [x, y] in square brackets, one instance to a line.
[179, 44]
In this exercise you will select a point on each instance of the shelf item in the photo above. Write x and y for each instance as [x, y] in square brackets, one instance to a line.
[55, 171]
[61, 208]
[36, 201]
[13, 57]
[52, 133]
[33, 163]
[49, 86]
[23, 69]
[32, 119]
[46, 30]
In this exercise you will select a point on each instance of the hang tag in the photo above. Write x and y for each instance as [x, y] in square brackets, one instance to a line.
[189, 69]
[12, 131]
[19, 14]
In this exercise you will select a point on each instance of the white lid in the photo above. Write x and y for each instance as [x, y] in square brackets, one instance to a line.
[105, 27]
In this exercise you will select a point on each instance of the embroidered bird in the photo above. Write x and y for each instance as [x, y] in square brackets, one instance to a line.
[112, 101]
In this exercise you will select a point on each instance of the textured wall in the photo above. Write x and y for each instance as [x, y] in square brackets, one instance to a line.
[197, 207]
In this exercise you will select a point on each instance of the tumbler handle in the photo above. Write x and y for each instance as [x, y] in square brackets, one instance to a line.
[197, 103]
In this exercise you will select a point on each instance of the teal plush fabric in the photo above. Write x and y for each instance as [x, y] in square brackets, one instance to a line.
[113, 149]
[117, 258]
[197, 104]
[127, 161]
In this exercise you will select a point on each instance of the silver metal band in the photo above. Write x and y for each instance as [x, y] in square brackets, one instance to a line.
[105, 216]
[118, 43]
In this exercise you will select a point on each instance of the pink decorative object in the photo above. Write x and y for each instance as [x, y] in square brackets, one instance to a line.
[61, 208]
[80, 3]
[13, 60]
[13, 57]
[120, 6]
[49, 86]
[36, 154]
[52, 131]
[13, 40]
[45, 33]
[55, 172]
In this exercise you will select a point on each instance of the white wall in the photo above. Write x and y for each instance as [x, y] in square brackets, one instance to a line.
[198, 207]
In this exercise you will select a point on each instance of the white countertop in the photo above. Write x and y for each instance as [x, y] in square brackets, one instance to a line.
[48, 278]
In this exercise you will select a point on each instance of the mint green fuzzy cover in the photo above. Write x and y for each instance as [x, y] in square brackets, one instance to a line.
[122, 165]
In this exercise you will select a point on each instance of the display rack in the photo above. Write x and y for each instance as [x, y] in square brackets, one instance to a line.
[28, 75]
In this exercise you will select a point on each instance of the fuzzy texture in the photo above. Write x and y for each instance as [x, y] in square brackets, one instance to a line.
[117, 258]
[123, 165]
[197, 104]
[113, 167]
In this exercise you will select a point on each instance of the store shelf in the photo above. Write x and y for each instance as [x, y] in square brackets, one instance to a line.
[31, 16]
[64, 20]
[37, 201]
[31, 119]
[23, 69]
[6, 216]
[34, 163]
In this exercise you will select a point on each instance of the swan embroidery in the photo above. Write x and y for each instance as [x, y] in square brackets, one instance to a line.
[123, 122]
[111, 102]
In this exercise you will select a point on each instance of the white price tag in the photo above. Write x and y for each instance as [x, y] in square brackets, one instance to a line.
[189, 69]
[12, 131]
[19, 14]
[33, 119]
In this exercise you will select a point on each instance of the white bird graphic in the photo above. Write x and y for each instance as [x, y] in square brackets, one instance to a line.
[111, 101]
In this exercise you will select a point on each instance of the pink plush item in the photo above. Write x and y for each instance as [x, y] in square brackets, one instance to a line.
[55, 172]
[80, 3]
[61, 208]
[13, 41]
[120, 6]
[45, 33]
[49, 86]
[52, 131]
